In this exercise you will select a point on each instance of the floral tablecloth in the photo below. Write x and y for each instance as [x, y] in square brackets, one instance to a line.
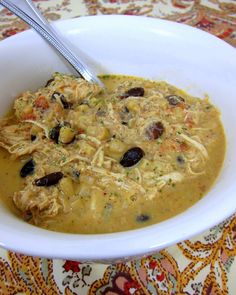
[203, 265]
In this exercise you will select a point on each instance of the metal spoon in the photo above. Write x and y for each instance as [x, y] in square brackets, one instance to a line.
[28, 12]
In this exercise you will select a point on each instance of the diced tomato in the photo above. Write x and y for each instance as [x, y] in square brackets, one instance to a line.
[41, 102]
[183, 146]
[81, 131]
[29, 116]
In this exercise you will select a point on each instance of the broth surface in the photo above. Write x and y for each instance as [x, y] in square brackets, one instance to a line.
[79, 159]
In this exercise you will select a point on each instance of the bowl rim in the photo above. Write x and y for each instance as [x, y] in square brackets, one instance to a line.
[133, 243]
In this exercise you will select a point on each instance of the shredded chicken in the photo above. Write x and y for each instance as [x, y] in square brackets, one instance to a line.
[195, 144]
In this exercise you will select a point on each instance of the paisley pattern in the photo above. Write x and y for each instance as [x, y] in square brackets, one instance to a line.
[203, 265]
[215, 16]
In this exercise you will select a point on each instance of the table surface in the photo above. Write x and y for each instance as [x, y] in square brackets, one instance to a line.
[203, 265]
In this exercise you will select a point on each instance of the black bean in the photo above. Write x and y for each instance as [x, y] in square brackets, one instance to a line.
[48, 180]
[55, 132]
[136, 91]
[132, 157]
[180, 159]
[124, 123]
[155, 130]
[28, 168]
[142, 218]
[66, 104]
[174, 99]
[49, 82]
[33, 137]
[55, 95]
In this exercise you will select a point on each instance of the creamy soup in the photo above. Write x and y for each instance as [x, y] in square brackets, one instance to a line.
[76, 158]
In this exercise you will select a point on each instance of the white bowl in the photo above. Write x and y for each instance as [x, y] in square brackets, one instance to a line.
[186, 57]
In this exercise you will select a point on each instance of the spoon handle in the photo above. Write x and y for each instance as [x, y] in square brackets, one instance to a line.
[26, 10]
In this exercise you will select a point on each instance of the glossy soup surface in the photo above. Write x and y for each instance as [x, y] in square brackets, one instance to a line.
[75, 158]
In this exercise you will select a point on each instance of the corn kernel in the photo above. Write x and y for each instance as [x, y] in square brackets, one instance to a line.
[133, 106]
[99, 132]
[117, 146]
[66, 135]
[86, 149]
[83, 121]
